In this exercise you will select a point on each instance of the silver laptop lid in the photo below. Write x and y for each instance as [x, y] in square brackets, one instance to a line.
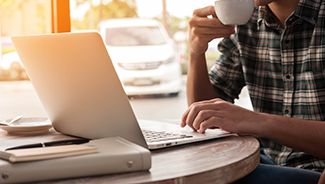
[76, 82]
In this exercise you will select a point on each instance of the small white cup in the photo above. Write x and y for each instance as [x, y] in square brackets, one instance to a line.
[234, 12]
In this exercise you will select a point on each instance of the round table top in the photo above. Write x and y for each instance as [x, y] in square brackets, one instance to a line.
[222, 160]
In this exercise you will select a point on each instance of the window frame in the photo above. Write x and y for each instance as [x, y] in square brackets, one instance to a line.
[61, 21]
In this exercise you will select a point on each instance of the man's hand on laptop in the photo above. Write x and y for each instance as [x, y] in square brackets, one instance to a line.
[217, 113]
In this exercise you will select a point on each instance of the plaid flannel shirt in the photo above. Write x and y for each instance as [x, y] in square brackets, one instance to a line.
[283, 69]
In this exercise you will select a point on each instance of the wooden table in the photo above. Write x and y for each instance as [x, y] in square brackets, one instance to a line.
[216, 161]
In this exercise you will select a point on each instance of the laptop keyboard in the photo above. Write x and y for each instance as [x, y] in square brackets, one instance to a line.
[157, 136]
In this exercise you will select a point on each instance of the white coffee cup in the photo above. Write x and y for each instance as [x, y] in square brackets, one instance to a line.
[234, 12]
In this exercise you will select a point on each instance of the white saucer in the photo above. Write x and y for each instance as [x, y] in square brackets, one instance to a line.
[28, 126]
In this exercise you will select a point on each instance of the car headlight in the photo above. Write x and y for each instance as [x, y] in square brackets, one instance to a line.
[170, 60]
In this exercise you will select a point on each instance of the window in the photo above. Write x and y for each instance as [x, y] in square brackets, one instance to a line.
[24, 17]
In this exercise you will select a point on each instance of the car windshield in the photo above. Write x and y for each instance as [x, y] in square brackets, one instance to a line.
[134, 36]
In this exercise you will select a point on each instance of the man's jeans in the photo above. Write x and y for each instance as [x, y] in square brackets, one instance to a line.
[269, 173]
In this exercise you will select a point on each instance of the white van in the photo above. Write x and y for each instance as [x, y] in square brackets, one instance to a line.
[144, 56]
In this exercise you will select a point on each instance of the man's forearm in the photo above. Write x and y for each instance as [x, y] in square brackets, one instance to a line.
[198, 84]
[303, 135]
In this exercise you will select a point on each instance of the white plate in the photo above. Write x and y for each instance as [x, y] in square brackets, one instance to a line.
[28, 126]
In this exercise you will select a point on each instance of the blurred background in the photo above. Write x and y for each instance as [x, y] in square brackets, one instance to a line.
[23, 17]
[154, 81]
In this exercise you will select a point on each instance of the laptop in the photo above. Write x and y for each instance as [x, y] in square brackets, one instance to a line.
[82, 95]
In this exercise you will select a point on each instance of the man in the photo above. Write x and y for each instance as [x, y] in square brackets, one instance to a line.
[280, 56]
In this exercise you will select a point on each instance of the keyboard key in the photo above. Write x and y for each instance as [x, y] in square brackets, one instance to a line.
[156, 136]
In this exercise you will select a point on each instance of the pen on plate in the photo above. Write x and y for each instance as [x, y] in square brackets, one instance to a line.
[47, 144]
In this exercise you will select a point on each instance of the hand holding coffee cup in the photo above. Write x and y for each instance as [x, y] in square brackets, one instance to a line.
[234, 12]
[204, 27]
